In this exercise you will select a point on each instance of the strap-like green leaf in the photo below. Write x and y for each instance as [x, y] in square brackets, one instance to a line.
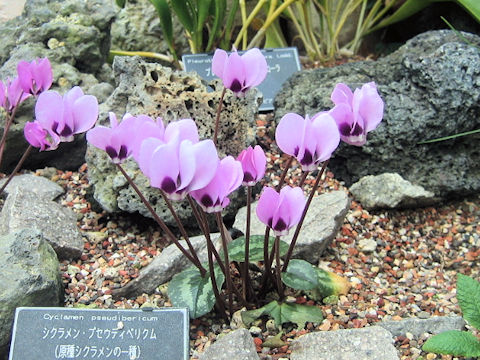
[185, 13]
[226, 41]
[300, 275]
[236, 249]
[165, 17]
[408, 8]
[454, 342]
[220, 7]
[472, 6]
[189, 289]
[468, 295]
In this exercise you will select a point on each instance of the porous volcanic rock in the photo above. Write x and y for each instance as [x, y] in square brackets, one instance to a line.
[431, 89]
[154, 90]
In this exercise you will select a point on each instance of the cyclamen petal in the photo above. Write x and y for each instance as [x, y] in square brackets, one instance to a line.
[356, 113]
[66, 116]
[253, 164]
[240, 73]
[115, 140]
[214, 196]
[311, 141]
[281, 211]
[35, 76]
[37, 137]
[178, 167]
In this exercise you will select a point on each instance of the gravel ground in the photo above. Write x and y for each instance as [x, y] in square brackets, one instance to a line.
[410, 272]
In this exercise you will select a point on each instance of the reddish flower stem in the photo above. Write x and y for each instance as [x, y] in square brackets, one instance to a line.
[19, 165]
[8, 124]
[246, 277]
[217, 118]
[228, 278]
[307, 205]
[267, 260]
[160, 222]
[180, 225]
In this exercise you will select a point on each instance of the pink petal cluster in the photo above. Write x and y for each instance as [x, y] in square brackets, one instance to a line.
[35, 76]
[240, 73]
[11, 94]
[116, 139]
[61, 118]
[214, 196]
[281, 211]
[178, 166]
[37, 136]
[356, 113]
[310, 140]
[253, 162]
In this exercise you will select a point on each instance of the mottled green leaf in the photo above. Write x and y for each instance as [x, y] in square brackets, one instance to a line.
[301, 314]
[189, 289]
[282, 313]
[454, 342]
[300, 275]
[468, 295]
[236, 249]
[248, 317]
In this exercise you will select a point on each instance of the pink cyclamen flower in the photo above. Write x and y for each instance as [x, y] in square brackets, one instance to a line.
[240, 73]
[185, 129]
[178, 166]
[214, 196]
[37, 136]
[64, 117]
[253, 162]
[12, 94]
[35, 76]
[311, 141]
[117, 139]
[281, 211]
[356, 113]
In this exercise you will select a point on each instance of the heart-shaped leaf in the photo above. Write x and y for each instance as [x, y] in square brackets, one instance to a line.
[453, 342]
[282, 313]
[189, 289]
[236, 249]
[300, 275]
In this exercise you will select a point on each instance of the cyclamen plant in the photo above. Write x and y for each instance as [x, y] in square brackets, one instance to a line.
[57, 118]
[182, 166]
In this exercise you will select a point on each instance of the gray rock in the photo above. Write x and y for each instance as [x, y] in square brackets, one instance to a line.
[75, 36]
[24, 209]
[29, 276]
[390, 191]
[237, 345]
[137, 28]
[148, 88]
[430, 87]
[417, 327]
[42, 187]
[323, 220]
[370, 343]
[164, 266]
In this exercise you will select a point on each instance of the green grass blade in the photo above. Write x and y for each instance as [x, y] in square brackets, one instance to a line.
[449, 137]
